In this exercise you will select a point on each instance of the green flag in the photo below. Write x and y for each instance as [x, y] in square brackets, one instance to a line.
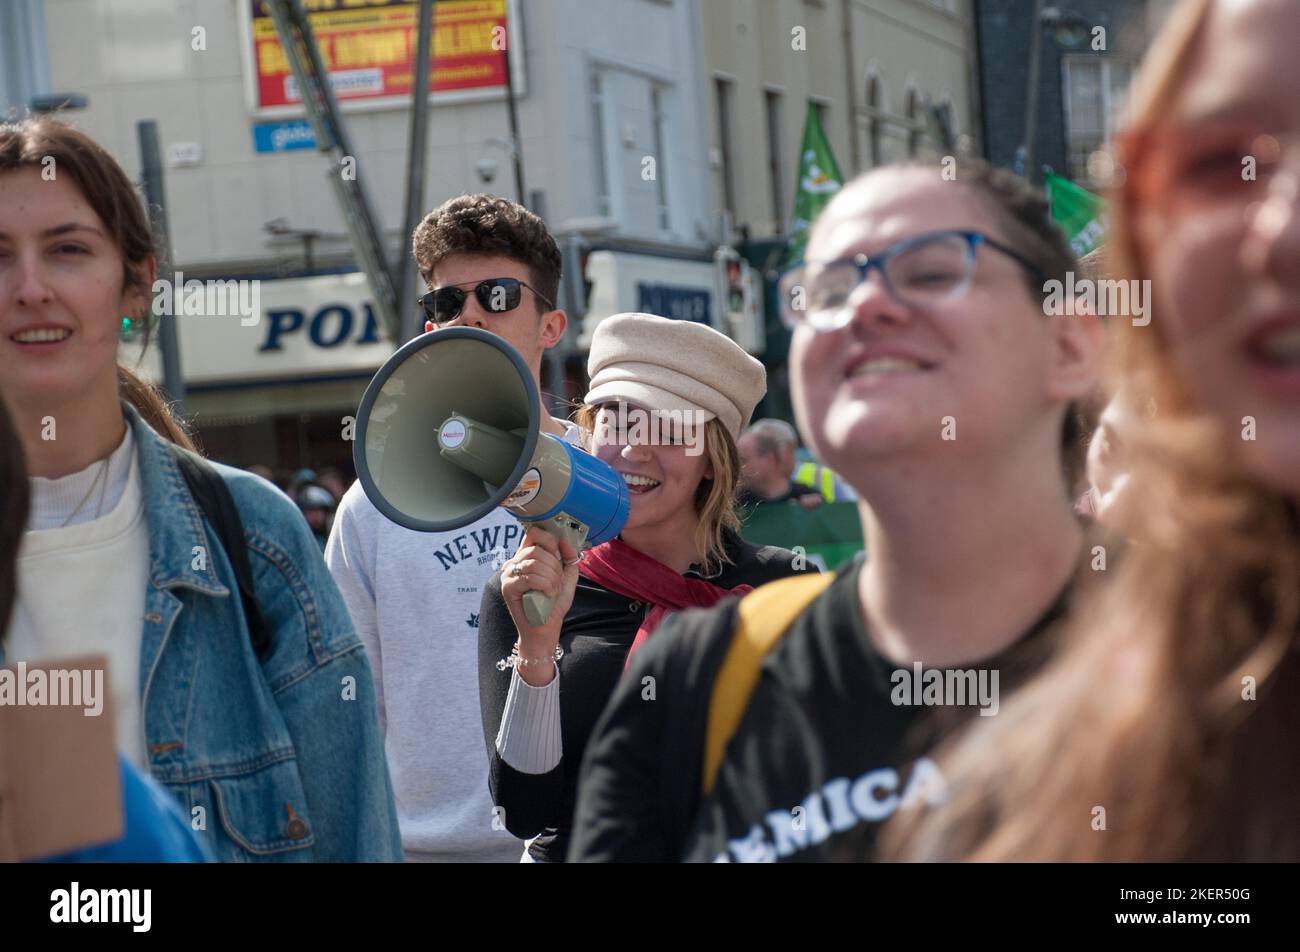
[819, 179]
[1078, 212]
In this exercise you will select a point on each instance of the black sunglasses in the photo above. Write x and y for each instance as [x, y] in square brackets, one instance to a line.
[495, 295]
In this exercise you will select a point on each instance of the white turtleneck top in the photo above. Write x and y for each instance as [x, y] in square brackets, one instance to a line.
[83, 566]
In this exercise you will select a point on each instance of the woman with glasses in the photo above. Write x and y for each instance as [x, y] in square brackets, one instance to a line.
[1167, 732]
[926, 372]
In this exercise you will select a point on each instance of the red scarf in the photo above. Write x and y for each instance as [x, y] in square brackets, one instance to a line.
[621, 568]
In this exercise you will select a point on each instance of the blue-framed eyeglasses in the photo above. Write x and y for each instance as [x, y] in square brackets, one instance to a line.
[919, 272]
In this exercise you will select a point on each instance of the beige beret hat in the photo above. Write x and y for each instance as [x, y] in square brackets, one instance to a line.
[666, 364]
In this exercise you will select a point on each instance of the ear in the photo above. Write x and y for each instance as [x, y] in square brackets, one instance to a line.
[1078, 346]
[138, 298]
[551, 331]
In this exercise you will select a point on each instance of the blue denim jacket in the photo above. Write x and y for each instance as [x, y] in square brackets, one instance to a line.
[284, 758]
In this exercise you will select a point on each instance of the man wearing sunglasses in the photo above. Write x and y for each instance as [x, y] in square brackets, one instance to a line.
[415, 596]
[926, 373]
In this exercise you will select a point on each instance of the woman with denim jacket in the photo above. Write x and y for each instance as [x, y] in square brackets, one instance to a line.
[273, 756]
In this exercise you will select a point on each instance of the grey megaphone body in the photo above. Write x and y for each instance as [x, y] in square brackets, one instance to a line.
[450, 428]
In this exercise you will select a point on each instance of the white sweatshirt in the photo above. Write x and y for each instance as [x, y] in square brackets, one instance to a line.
[414, 598]
[81, 587]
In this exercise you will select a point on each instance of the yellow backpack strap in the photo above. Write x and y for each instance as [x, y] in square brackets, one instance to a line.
[763, 616]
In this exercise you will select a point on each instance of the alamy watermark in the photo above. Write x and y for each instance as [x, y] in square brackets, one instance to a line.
[634, 426]
[1104, 297]
[209, 298]
[53, 687]
[946, 687]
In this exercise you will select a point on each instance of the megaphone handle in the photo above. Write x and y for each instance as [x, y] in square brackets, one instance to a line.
[537, 605]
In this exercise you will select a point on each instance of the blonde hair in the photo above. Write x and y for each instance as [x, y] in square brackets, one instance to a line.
[1143, 714]
[715, 497]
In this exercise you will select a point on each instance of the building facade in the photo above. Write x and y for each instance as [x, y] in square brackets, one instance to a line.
[611, 120]
[889, 79]
[875, 70]
[656, 135]
[1088, 51]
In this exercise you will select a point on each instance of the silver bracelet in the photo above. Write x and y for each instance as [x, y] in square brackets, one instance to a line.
[516, 659]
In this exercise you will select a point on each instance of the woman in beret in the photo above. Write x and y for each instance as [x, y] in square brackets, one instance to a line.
[668, 400]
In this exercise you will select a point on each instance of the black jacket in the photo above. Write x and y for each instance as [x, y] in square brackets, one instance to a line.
[597, 633]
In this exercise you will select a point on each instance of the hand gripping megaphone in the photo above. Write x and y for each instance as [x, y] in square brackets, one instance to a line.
[450, 428]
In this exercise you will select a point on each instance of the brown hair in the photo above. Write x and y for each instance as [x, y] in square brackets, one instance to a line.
[37, 141]
[487, 225]
[1144, 714]
[715, 498]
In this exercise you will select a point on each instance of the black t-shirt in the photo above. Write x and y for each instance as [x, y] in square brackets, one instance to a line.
[822, 756]
[794, 492]
[597, 633]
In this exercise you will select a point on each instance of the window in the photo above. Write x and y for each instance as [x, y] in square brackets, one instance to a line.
[723, 92]
[775, 152]
[600, 156]
[875, 127]
[1094, 92]
[659, 122]
[914, 122]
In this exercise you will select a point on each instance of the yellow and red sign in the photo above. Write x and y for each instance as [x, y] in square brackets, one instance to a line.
[367, 48]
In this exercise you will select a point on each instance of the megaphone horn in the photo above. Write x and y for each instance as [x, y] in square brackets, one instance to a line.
[450, 428]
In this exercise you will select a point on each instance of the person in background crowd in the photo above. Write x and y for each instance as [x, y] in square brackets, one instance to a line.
[678, 549]
[809, 472]
[415, 596]
[284, 765]
[332, 478]
[317, 507]
[766, 462]
[926, 372]
[300, 478]
[1166, 733]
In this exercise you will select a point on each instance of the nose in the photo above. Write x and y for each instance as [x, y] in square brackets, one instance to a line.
[872, 304]
[635, 452]
[1272, 246]
[471, 314]
[32, 289]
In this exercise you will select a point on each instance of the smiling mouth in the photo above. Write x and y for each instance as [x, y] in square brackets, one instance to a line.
[1281, 348]
[639, 485]
[41, 335]
[886, 365]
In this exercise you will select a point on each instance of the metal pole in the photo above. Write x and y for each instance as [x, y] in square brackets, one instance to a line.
[855, 151]
[517, 148]
[406, 316]
[572, 300]
[299, 44]
[151, 169]
[1031, 98]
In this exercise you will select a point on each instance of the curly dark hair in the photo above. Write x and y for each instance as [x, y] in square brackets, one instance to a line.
[488, 225]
